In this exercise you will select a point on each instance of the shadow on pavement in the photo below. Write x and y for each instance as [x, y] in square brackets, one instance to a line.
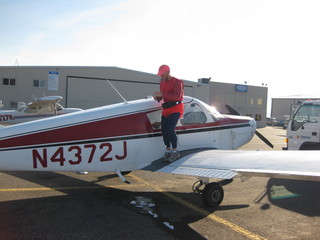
[88, 210]
[299, 196]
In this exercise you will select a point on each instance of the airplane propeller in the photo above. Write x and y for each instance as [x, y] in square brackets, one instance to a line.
[232, 111]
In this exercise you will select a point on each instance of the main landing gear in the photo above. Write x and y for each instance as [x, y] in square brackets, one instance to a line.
[212, 194]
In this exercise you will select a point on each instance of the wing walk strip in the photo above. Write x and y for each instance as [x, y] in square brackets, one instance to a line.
[201, 211]
[213, 173]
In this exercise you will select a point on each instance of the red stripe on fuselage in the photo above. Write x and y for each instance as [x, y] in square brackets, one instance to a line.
[107, 128]
[228, 120]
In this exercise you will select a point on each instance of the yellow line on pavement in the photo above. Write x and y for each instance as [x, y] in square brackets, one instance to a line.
[69, 188]
[211, 216]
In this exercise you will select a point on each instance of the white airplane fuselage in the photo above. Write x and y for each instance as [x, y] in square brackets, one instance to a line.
[123, 137]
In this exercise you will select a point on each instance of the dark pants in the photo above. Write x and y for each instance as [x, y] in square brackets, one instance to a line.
[167, 128]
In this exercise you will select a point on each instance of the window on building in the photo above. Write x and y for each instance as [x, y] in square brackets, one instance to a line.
[250, 101]
[13, 105]
[240, 100]
[230, 99]
[258, 117]
[9, 81]
[259, 101]
[5, 81]
[39, 83]
[219, 98]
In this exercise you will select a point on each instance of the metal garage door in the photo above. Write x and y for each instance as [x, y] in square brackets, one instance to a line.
[93, 92]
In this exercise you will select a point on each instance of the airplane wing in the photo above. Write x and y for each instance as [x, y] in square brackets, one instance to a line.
[45, 101]
[302, 165]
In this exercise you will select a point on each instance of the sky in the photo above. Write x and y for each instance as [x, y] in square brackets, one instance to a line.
[273, 42]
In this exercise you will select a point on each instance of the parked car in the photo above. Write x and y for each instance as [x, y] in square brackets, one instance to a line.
[271, 122]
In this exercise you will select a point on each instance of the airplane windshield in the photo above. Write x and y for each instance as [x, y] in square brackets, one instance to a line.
[306, 114]
[59, 107]
[21, 108]
[213, 111]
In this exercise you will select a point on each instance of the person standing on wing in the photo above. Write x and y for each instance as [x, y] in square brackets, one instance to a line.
[171, 91]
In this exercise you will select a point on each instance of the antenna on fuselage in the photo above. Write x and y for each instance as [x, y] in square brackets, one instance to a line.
[125, 101]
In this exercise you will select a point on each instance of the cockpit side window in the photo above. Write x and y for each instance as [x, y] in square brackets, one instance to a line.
[155, 119]
[193, 114]
[31, 110]
[45, 108]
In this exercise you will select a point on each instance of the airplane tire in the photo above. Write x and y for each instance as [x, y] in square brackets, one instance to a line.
[212, 195]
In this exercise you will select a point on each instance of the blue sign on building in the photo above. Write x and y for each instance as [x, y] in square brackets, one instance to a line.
[241, 88]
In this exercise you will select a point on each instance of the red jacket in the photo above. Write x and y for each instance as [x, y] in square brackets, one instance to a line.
[172, 90]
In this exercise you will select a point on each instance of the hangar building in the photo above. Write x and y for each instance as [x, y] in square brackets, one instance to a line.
[247, 100]
[87, 87]
[83, 87]
[282, 108]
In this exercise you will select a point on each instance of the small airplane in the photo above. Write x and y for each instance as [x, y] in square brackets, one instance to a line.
[126, 136]
[41, 107]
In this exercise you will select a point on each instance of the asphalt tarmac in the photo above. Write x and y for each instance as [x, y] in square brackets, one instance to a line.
[153, 206]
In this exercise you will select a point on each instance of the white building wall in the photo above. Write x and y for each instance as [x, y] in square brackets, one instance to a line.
[252, 101]
[282, 107]
[85, 87]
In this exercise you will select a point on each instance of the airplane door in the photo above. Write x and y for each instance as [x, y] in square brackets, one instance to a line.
[224, 139]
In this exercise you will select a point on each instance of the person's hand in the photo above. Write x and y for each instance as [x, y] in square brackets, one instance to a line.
[157, 96]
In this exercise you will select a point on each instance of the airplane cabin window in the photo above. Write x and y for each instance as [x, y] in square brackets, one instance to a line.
[193, 114]
[45, 109]
[31, 110]
[155, 119]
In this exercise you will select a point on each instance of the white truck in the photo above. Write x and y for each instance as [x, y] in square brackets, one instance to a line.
[303, 131]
